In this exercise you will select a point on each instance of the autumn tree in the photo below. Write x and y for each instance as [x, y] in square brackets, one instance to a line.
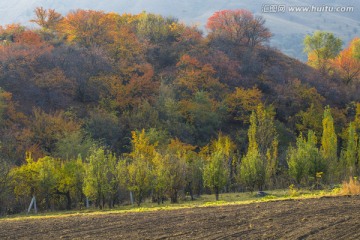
[100, 180]
[85, 27]
[347, 63]
[329, 146]
[194, 76]
[58, 90]
[321, 48]
[252, 172]
[239, 27]
[242, 102]
[140, 178]
[36, 178]
[47, 128]
[47, 19]
[219, 157]
[179, 154]
[349, 154]
[70, 179]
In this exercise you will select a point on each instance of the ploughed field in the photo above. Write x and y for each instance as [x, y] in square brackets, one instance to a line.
[323, 218]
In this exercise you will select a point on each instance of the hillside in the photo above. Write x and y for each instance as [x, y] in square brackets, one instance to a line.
[288, 28]
[97, 105]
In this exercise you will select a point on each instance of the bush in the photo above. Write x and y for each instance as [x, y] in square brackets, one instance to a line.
[351, 188]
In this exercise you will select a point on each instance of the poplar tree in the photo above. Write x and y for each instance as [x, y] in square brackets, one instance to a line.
[305, 161]
[260, 162]
[349, 153]
[216, 171]
[251, 169]
[141, 168]
[328, 148]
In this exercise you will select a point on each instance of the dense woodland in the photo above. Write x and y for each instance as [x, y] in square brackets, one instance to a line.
[97, 105]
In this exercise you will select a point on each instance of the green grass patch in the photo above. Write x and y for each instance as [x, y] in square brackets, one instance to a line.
[202, 201]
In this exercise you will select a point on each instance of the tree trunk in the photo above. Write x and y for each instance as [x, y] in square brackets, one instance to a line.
[174, 196]
[68, 199]
[217, 193]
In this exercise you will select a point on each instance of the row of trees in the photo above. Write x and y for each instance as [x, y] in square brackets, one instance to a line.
[162, 168]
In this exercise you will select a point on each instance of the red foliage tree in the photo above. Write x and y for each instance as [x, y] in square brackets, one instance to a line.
[239, 26]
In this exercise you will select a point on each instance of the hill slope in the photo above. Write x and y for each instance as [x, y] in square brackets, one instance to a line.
[289, 28]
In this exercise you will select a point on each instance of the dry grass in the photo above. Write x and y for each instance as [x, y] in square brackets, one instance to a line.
[351, 188]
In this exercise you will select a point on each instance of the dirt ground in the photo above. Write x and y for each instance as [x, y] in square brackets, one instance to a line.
[324, 218]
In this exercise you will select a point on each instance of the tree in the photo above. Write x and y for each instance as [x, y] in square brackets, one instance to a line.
[36, 178]
[239, 27]
[349, 153]
[356, 48]
[179, 154]
[85, 27]
[100, 180]
[217, 160]
[47, 19]
[252, 172]
[328, 148]
[5, 181]
[47, 128]
[322, 47]
[203, 116]
[347, 63]
[70, 179]
[242, 102]
[140, 169]
[305, 161]
[193, 77]
[260, 161]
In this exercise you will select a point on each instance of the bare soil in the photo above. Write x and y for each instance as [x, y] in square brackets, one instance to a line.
[324, 218]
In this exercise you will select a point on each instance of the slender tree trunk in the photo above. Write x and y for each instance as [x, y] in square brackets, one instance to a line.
[68, 199]
[174, 196]
[217, 193]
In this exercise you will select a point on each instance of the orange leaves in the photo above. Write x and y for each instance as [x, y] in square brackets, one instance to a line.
[27, 45]
[239, 26]
[193, 76]
[86, 27]
[28, 38]
[347, 64]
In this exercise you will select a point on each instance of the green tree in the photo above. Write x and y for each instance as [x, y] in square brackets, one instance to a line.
[260, 161]
[140, 178]
[252, 172]
[177, 154]
[218, 158]
[4, 184]
[36, 178]
[305, 161]
[100, 180]
[328, 148]
[72, 145]
[70, 179]
[321, 47]
[349, 154]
